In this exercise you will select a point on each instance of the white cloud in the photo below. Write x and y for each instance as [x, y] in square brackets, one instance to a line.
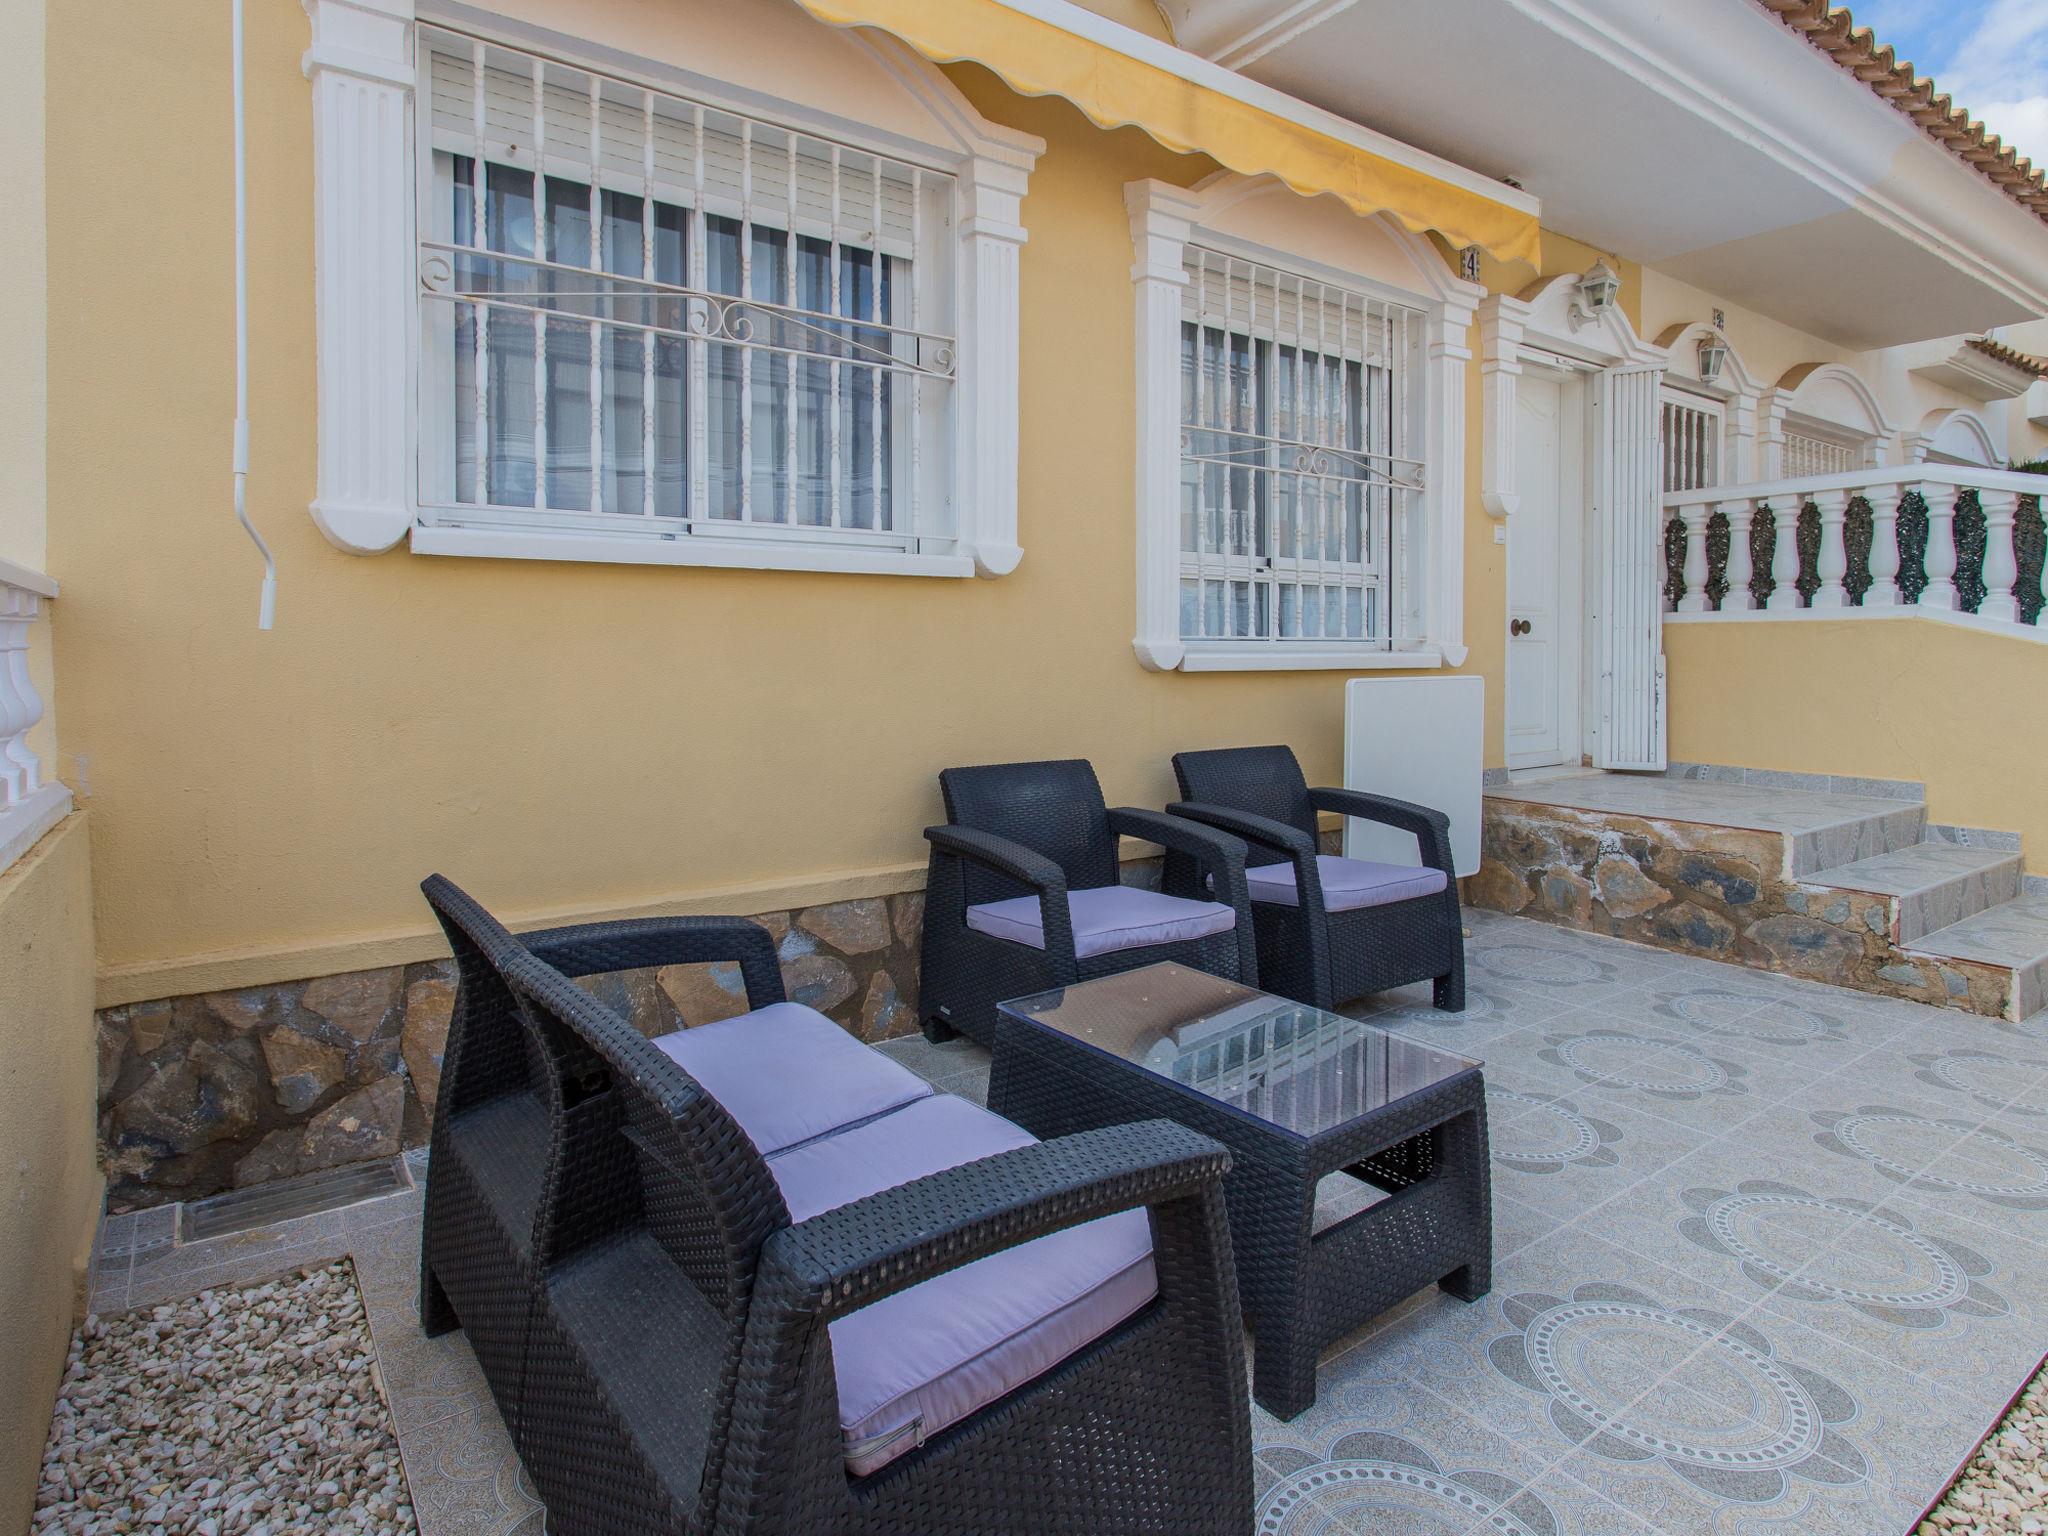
[2022, 124]
[1999, 71]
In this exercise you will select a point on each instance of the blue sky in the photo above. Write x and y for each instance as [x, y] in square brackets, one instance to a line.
[1991, 55]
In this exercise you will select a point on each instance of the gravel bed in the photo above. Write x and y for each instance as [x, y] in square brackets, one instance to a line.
[250, 1411]
[2004, 1490]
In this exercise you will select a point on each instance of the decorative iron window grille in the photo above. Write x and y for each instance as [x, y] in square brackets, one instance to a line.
[1296, 471]
[645, 314]
[1689, 439]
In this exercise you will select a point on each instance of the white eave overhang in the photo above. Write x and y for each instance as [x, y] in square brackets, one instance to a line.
[1970, 370]
[1704, 139]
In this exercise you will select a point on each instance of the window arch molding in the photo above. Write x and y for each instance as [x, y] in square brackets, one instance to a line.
[1957, 435]
[1259, 221]
[1824, 403]
[873, 94]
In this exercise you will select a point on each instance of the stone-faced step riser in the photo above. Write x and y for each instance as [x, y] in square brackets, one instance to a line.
[1726, 893]
[1824, 848]
[1916, 914]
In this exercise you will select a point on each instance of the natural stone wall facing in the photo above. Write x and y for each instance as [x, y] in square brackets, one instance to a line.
[1716, 891]
[221, 1090]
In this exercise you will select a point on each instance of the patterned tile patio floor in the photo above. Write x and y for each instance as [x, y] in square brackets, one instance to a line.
[1770, 1257]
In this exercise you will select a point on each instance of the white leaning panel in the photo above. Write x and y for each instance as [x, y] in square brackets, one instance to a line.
[1419, 739]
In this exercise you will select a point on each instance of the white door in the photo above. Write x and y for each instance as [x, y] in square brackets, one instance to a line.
[1544, 534]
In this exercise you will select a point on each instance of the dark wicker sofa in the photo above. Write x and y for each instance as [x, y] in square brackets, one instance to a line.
[1331, 930]
[1022, 894]
[720, 1272]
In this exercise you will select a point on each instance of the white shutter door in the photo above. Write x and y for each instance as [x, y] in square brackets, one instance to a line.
[1630, 581]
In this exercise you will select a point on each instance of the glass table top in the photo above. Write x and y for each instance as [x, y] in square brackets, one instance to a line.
[1281, 1062]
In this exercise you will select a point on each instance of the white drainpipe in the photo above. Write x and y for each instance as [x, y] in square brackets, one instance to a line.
[267, 609]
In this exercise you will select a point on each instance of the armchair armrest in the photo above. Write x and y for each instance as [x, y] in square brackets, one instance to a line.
[1259, 831]
[1218, 854]
[1027, 866]
[592, 949]
[857, 1254]
[1023, 864]
[1431, 828]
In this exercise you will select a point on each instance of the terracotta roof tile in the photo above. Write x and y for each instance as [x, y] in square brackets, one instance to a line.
[2026, 362]
[1833, 30]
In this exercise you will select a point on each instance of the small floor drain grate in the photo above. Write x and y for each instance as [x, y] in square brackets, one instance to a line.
[288, 1199]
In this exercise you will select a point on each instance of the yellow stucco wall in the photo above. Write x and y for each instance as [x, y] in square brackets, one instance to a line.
[564, 739]
[49, 1180]
[1910, 698]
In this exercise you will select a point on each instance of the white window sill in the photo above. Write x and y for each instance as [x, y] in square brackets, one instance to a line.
[1228, 657]
[731, 554]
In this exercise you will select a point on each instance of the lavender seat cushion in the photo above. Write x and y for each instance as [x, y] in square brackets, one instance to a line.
[1106, 919]
[1347, 883]
[787, 1074]
[925, 1358]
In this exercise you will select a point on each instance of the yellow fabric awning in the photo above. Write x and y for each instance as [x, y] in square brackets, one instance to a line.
[1117, 88]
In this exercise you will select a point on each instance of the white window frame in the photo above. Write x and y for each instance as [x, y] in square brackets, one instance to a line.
[368, 155]
[1428, 546]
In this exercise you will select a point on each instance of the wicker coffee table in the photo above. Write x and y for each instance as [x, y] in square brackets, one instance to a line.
[1295, 1094]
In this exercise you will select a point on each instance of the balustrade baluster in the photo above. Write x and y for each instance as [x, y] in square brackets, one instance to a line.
[1833, 562]
[2001, 567]
[1741, 566]
[1940, 591]
[1884, 545]
[1784, 555]
[21, 707]
[1693, 598]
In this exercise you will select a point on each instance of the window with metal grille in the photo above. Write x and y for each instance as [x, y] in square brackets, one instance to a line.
[1806, 454]
[647, 315]
[1295, 472]
[1689, 439]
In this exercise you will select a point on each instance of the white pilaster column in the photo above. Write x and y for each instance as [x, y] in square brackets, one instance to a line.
[1784, 555]
[1741, 564]
[1940, 591]
[1770, 435]
[361, 67]
[1500, 370]
[1162, 218]
[1833, 563]
[986, 389]
[2001, 567]
[1744, 462]
[1884, 544]
[1694, 516]
[1450, 354]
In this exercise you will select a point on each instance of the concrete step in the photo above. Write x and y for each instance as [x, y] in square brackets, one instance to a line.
[2012, 936]
[1819, 831]
[1929, 886]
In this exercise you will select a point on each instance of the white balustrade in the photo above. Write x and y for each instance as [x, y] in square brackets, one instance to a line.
[29, 806]
[1832, 564]
[2001, 565]
[1695, 518]
[1880, 575]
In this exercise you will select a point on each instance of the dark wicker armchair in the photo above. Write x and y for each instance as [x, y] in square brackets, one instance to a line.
[1331, 930]
[1023, 894]
[510, 1113]
[690, 1351]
